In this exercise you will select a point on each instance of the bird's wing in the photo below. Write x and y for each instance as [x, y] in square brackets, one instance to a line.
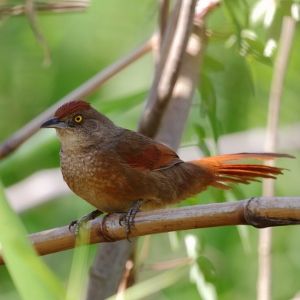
[145, 154]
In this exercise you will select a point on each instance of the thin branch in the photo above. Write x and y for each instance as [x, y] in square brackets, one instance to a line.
[30, 12]
[259, 212]
[19, 137]
[264, 279]
[281, 65]
[58, 7]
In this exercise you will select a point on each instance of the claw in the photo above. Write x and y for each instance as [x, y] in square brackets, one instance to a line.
[76, 225]
[127, 218]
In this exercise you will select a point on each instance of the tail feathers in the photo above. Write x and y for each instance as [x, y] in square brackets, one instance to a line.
[224, 173]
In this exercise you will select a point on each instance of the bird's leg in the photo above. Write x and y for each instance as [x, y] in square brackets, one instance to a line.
[75, 225]
[127, 218]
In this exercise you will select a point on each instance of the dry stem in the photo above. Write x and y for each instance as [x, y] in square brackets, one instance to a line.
[264, 278]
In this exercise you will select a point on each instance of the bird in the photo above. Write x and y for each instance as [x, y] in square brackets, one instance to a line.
[120, 170]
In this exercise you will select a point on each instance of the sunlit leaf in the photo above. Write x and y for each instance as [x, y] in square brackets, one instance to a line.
[254, 48]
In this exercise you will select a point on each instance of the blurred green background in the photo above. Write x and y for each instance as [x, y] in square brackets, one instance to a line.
[232, 98]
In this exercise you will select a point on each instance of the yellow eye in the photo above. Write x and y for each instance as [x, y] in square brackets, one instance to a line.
[78, 118]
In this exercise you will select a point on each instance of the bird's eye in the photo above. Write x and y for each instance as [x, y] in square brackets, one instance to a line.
[78, 119]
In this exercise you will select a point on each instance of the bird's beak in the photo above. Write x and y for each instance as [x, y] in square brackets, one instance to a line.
[54, 123]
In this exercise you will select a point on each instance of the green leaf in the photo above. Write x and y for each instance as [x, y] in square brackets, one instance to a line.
[32, 278]
[209, 104]
[207, 268]
[238, 12]
[212, 64]
[201, 139]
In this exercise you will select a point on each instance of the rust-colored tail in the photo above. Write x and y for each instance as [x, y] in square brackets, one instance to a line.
[224, 173]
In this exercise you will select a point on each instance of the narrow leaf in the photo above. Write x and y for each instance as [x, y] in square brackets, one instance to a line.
[30, 275]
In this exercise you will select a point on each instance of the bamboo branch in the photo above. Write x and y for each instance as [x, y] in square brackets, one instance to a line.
[19, 137]
[264, 279]
[258, 212]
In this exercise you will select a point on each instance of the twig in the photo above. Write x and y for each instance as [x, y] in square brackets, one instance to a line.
[30, 12]
[264, 278]
[169, 264]
[13, 142]
[259, 212]
[166, 75]
[59, 7]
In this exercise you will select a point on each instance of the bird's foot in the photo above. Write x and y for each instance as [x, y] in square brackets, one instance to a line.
[127, 218]
[76, 225]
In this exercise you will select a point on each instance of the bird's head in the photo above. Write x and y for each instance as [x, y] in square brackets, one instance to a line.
[79, 124]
